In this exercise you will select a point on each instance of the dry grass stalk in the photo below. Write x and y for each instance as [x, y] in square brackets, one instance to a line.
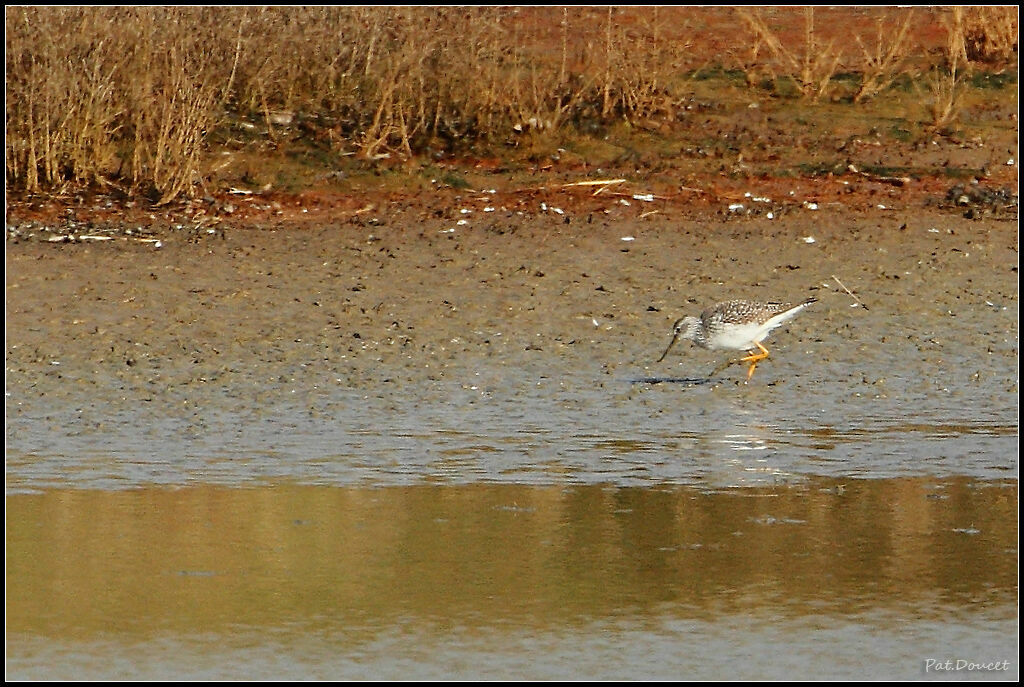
[62, 116]
[947, 84]
[884, 59]
[811, 68]
[131, 96]
[991, 34]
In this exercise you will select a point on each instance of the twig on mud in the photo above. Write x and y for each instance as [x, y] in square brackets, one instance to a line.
[649, 197]
[595, 183]
[895, 181]
[605, 184]
[852, 294]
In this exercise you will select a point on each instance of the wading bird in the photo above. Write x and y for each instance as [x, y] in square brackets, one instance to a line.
[735, 325]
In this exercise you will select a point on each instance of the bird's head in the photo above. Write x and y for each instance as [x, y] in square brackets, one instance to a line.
[684, 328]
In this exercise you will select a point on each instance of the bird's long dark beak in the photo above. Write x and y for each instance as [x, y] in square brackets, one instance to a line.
[675, 336]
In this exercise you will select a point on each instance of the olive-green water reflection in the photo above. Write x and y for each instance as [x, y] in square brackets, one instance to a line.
[206, 559]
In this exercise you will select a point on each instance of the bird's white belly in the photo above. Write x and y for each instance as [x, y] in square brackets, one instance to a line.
[741, 338]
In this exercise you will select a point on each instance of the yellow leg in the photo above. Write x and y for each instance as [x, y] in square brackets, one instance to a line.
[754, 359]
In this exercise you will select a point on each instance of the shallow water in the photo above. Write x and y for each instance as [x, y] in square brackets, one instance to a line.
[623, 430]
[851, 577]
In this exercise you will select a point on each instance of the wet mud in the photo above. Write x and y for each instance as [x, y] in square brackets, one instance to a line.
[510, 331]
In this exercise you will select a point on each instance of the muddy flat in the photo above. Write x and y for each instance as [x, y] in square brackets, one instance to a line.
[504, 329]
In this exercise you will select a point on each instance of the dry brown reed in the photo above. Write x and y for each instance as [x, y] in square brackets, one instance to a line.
[883, 60]
[810, 66]
[947, 81]
[129, 98]
[110, 97]
[126, 97]
[991, 33]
